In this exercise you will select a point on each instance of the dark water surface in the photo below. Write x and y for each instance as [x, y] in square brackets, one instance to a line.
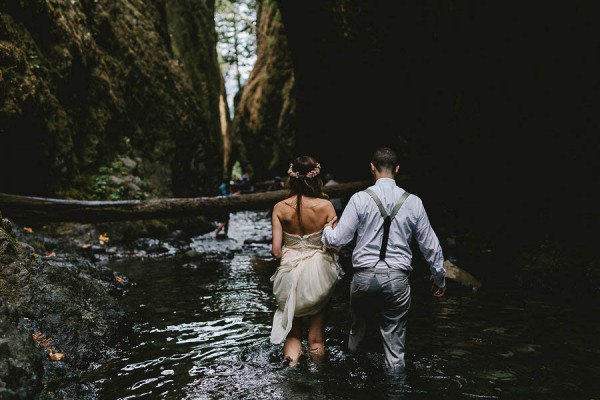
[203, 333]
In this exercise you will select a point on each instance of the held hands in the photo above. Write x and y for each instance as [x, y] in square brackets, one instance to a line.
[331, 223]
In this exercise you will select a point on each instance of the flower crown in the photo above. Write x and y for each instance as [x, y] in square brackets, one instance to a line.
[311, 174]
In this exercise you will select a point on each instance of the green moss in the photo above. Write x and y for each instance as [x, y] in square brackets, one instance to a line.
[76, 80]
[116, 182]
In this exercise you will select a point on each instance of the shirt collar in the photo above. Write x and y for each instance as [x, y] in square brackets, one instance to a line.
[385, 182]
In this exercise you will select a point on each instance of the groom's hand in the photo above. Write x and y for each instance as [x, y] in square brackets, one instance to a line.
[438, 291]
[331, 223]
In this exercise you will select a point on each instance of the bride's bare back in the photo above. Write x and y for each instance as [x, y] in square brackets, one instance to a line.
[315, 213]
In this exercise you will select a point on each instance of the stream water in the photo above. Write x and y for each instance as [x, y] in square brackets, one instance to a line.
[202, 332]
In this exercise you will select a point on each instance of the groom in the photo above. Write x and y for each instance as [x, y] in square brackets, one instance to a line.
[385, 219]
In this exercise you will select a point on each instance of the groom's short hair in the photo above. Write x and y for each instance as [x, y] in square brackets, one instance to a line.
[385, 158]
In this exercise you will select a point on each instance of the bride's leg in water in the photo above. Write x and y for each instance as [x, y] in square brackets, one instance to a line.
[316, 336]
[292, 348]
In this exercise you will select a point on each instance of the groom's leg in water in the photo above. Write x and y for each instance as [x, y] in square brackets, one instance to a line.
[316, 334]
[292, 348]
[392, 321]
[363, 289]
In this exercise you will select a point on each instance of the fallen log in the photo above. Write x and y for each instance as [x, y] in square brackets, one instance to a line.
[461, 276]
[39, 210]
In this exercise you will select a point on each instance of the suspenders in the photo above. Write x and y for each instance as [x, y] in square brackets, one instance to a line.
[387, 219]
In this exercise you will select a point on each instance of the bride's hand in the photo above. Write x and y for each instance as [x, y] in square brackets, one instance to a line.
[331, 223]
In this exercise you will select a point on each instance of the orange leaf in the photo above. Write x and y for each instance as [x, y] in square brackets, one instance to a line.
[51, 254]
[119, 279]
[41, 339]
[86, 246]
[38, 336]
[56, 356]
[103, 239]
[28, 230]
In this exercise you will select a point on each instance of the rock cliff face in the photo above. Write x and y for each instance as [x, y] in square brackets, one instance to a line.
[488, 105]
[85, 83]
[456, 86]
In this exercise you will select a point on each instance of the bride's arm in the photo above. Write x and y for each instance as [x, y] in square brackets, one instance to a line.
[277, 233]
[331, 220]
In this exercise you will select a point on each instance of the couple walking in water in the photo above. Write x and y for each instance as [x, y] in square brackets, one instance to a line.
[306, 238]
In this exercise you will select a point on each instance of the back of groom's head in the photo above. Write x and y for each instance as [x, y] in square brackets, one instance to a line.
[385, 158]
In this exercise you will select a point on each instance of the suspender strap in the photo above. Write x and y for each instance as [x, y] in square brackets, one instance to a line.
[387, 219]
[399, 204]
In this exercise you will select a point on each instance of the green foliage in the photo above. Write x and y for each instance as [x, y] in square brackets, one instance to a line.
[236, 171]
[116, 182]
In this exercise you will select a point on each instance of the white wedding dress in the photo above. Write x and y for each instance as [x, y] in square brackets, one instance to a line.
[303, 282]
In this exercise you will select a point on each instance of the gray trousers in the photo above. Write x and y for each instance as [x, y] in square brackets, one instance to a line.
[384, 292]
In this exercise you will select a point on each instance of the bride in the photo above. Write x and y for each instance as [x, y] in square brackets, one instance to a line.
[307, 273]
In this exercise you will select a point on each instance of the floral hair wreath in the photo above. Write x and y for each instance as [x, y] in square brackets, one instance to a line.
[311, 174]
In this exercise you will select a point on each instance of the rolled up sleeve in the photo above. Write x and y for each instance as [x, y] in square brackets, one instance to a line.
[344, 231]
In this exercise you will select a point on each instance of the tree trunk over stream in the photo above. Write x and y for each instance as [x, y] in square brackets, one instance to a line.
[37, 210]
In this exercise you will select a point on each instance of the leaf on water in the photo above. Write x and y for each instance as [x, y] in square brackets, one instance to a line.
[51, 254]
[28, 230]
[103, 238]
[86, 246]
[119, 279]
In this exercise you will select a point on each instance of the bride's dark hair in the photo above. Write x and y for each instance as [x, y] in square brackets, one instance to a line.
[305, 180]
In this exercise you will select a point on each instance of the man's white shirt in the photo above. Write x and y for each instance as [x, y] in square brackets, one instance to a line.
[361, 215]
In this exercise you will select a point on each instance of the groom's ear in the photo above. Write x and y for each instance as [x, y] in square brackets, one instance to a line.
[396, 169]
[373, 169]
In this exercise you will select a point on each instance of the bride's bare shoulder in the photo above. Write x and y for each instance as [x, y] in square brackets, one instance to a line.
[290, 202]
[325, 203]
[286, 200]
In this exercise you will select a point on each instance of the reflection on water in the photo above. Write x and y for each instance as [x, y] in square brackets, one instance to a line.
[203, 333]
